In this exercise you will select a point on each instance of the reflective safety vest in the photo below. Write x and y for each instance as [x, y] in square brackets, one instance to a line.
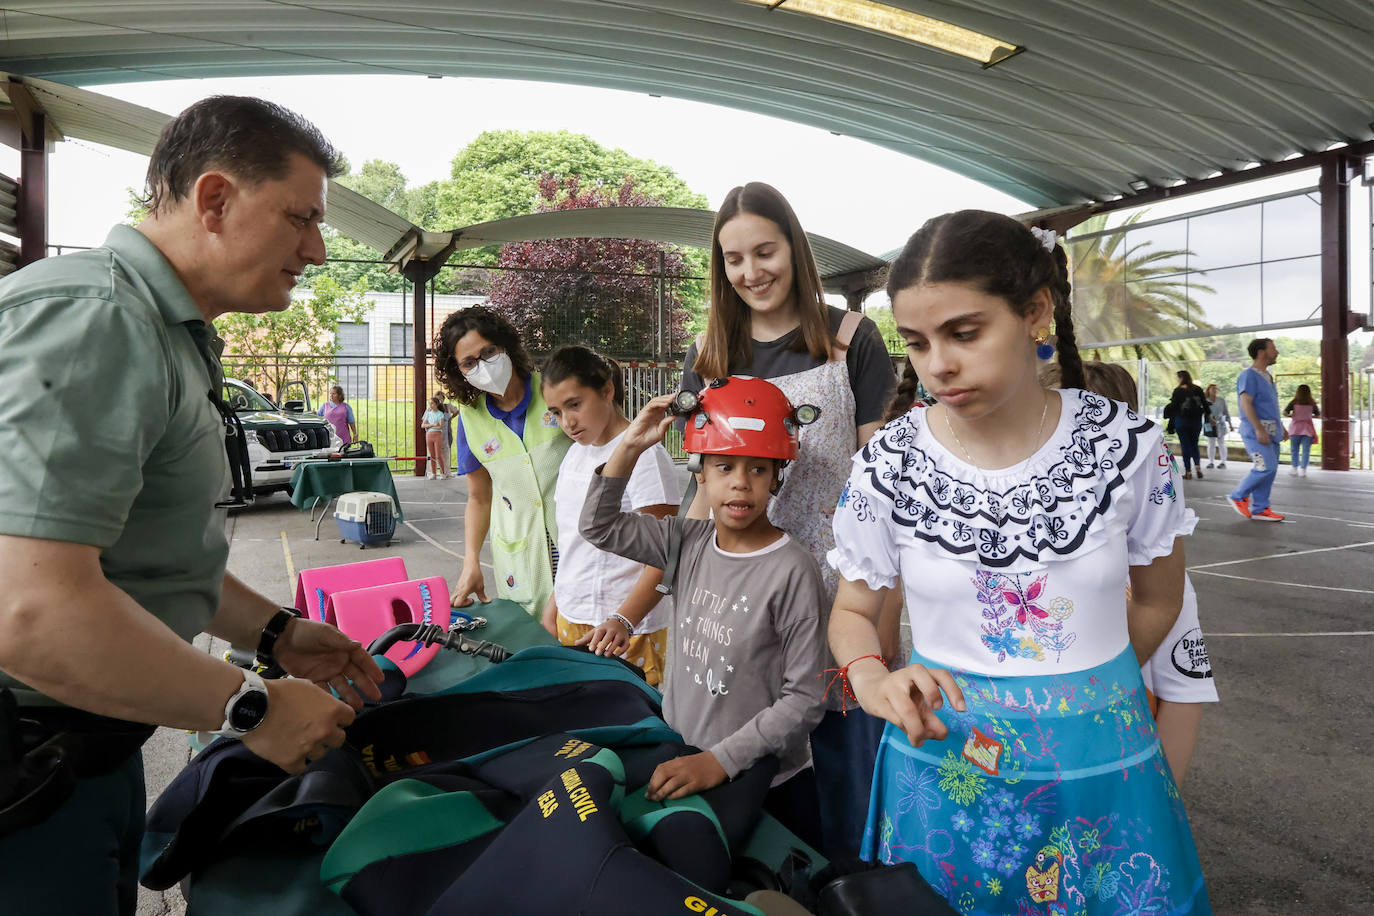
[523, 473]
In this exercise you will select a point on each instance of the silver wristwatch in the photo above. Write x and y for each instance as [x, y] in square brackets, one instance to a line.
[246, 708]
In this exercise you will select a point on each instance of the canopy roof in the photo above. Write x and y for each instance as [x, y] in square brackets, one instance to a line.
[1105, 94]
[98, 118]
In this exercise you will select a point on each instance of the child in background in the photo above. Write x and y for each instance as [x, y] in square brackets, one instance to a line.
[1179, 673]
[602, 601]
[433, 423]
[1303, 409]
[744, 678]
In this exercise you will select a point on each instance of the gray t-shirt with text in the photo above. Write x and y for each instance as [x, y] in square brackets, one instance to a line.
[746, 643]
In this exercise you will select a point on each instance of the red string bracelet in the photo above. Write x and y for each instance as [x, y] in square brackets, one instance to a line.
[842, 675]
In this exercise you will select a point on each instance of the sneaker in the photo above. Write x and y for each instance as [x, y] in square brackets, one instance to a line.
[1293, 472]
[1210, 465]
[1242, 506]
[1223, 464]
[1302, 472]
[1268, 515]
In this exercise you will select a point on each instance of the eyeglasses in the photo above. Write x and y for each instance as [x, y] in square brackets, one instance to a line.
[467, 365]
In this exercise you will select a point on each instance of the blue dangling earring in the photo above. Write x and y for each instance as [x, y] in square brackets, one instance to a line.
[1043, 348]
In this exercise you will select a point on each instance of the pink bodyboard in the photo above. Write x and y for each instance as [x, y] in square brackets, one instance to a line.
[315, 588]
[366, 613]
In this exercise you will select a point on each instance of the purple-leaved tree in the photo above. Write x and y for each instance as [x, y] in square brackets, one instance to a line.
[597, 292]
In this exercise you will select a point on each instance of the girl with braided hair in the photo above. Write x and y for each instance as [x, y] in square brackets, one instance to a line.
[1020, 769]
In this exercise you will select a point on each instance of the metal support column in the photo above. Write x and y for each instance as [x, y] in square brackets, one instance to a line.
[33, 188]
[419, 273]
[1334, 188]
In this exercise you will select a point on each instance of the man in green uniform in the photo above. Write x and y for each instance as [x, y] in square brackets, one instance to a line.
[112, 543]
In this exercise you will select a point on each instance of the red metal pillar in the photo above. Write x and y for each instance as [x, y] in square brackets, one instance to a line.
[1334, 187]
[33, 187]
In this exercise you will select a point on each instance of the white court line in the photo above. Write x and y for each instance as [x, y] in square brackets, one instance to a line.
[1287, 514]
[290, 567]
[1325, 588]
[1275, 556]
[1346, 633]
[441, 546]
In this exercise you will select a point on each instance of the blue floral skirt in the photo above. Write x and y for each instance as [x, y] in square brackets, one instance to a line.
[1050, 797]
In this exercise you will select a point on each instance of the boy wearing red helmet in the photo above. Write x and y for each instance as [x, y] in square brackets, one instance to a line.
[747, 647]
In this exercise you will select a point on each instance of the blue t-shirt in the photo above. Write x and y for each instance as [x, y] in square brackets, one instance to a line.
[1264, 398]
[514, 419]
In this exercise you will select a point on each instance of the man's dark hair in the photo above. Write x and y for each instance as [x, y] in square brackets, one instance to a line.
[249, 138]
[1258, 344]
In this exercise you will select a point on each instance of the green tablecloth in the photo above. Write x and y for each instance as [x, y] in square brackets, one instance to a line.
[508, 625]
[319, 481]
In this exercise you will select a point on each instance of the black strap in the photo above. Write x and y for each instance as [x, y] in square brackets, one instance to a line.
[44, 751]
[272, 632]
[236, 446]
[666, 586]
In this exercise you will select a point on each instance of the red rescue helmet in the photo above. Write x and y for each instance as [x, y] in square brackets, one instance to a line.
[740, 415]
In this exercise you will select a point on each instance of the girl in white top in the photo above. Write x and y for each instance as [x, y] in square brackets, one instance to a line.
[596, 594]
[1020, 769]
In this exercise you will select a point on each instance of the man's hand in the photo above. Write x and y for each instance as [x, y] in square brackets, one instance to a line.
[609, 638]
[469, 582]
[1261, 435]
[303, 723]
[908, 698]
[683, 776]
[321, 653]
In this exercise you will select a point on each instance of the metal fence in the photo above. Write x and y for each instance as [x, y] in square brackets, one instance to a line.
[386, 414]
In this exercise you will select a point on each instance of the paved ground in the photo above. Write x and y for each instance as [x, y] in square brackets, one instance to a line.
[1281, 791]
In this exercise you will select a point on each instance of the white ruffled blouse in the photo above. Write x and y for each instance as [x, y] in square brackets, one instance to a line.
[1022, 570]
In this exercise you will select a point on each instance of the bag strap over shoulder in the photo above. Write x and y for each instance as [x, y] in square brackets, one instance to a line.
[845, 335]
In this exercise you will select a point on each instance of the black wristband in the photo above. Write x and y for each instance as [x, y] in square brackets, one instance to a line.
[272, 631]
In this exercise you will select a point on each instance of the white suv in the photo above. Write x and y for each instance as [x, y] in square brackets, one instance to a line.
[277, 439]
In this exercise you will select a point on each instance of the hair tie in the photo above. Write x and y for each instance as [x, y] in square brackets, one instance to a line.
[1046, 237]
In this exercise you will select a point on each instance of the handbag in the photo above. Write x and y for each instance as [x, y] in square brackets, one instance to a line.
[359, 449]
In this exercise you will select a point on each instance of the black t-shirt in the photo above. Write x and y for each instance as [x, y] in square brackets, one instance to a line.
[871, 376]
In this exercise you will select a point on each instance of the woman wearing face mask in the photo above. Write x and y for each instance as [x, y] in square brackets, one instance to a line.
[509, 448]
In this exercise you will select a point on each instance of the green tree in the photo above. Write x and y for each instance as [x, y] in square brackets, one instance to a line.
[887, 326]
[138, 209]
[381, 182]
[275, 347]
[498, 176]
[1126, 291]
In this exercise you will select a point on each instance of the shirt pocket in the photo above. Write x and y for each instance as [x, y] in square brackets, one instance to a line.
[517, 564]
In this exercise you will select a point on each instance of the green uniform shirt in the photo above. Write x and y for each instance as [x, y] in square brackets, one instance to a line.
[106, 428]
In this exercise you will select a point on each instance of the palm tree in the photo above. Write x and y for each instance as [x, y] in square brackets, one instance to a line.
[1122, 293]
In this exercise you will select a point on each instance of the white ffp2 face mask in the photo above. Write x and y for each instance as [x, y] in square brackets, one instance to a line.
[491, 375]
